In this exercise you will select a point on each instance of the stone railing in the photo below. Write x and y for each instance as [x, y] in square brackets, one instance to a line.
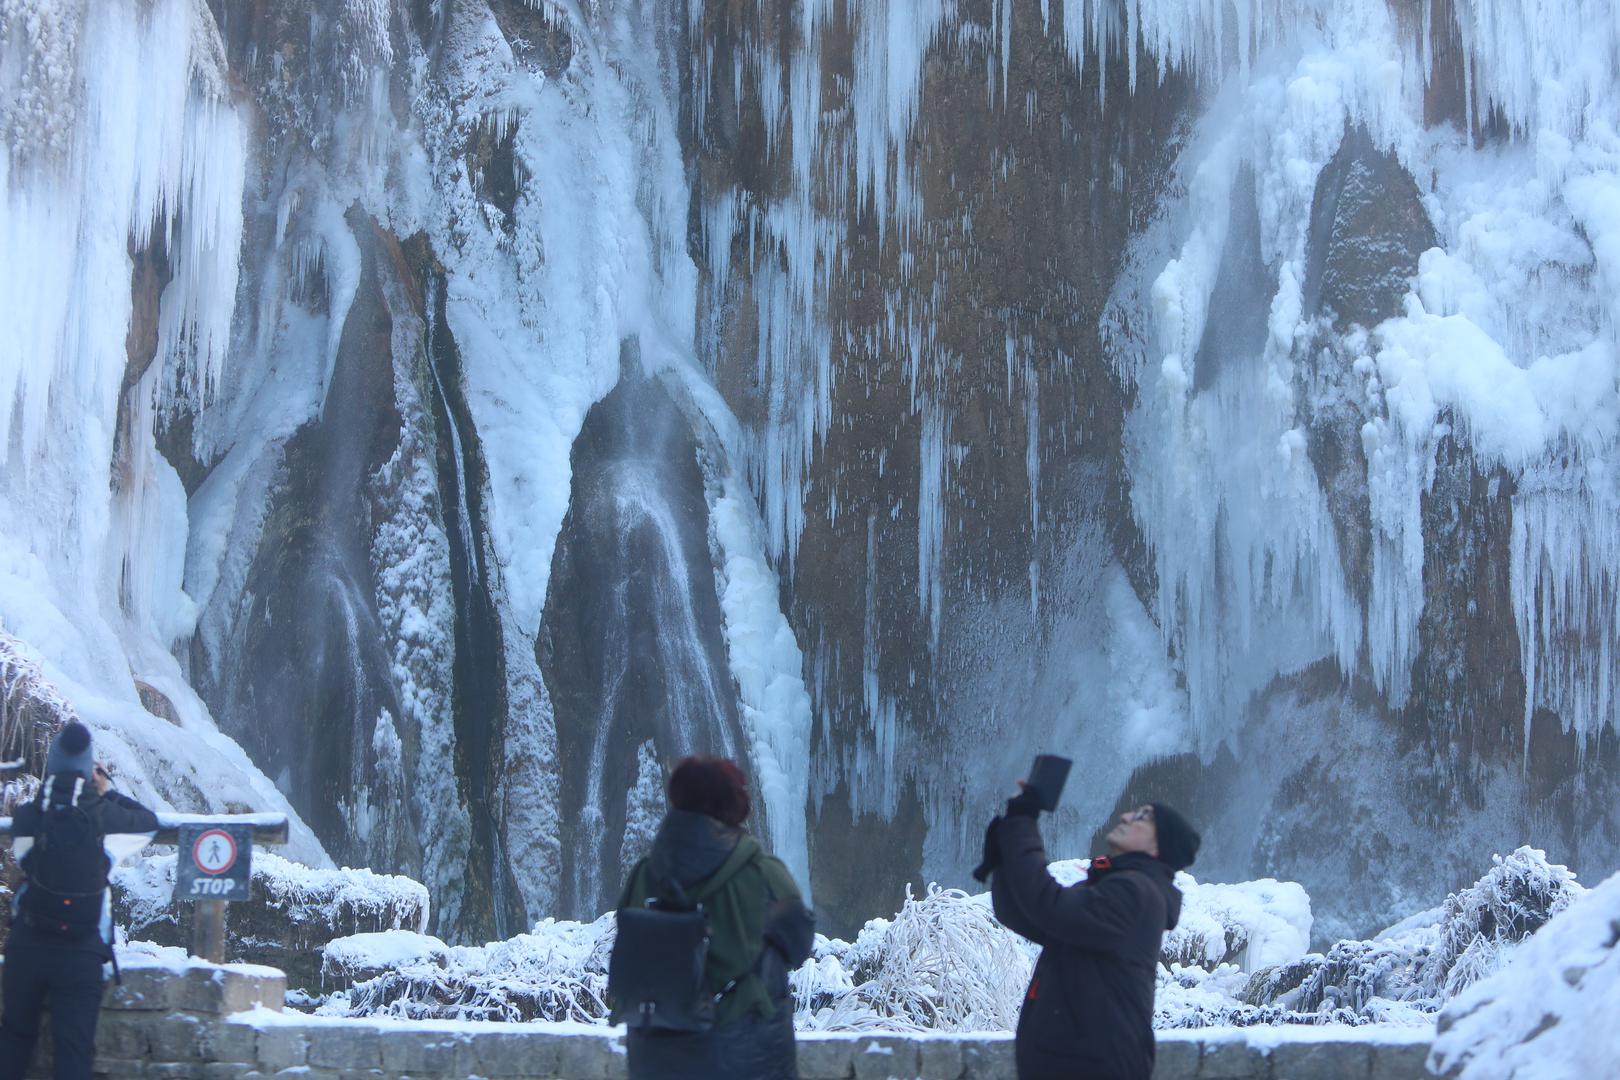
[187, 1019]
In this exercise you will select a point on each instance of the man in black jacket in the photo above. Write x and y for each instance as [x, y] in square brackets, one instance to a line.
[1088, 1013]
[61, 918]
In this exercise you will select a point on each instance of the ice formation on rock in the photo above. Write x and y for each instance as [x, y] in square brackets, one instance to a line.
[1093, 377]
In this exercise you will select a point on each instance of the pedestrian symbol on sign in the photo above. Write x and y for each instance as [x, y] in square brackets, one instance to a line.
[214, 851]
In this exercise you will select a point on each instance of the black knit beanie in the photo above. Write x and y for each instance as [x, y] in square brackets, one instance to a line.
[70, 753]
[1178, 840]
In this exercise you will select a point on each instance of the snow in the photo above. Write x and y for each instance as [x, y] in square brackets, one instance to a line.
[1257, 924]
[316, 896]
[143, 955]
[943, 966]
[557, 972]
[378, 951]
[1549, 1011]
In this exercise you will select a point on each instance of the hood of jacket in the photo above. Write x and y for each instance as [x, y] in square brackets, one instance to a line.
[689, 847]
[1157, 872]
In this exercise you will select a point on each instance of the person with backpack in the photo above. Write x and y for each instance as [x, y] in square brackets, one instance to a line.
[1088, 1012]
[709, 926]
[61, 917]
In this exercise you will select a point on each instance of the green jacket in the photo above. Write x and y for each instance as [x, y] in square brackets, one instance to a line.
[754, 885]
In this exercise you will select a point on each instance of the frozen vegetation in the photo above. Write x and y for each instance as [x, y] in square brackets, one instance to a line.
[943, 963]
[1547, 1012]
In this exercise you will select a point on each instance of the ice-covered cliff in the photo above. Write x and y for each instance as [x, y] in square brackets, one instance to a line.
[447, 410]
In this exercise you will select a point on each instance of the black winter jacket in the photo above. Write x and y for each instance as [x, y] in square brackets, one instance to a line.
[1088, 1014]
[111, 813]
[746, 1045]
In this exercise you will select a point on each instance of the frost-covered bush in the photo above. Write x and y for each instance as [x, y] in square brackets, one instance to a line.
[1478, 926]
[1189, 996]
[1549, 1011]
[1413, 968]
[943, 964]
[31, 710]
[557, 972]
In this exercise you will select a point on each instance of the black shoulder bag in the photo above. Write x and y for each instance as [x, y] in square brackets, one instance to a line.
[656, 972]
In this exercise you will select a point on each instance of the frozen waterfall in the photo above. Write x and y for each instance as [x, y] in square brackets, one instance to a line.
[433, 419]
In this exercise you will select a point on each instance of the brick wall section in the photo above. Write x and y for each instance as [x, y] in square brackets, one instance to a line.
[178, 1024]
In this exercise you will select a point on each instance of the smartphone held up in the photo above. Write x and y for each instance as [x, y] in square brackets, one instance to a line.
[1046, 779]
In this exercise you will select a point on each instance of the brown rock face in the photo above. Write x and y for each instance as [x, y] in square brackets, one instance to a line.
[974, 421]
[1368, 227]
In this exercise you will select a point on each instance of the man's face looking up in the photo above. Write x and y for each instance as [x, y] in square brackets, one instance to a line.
[1134, 831]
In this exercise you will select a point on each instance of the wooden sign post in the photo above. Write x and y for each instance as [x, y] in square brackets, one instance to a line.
[215, 866]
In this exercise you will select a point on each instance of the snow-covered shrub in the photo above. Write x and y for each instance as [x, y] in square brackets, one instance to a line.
[943, 963]
[1520, 894]
[1414, 967]
[32, 709]
[1191, 996]
[326, 903]
[1549, 1011]
[345, 901]
[1351, 976]
[557, 972]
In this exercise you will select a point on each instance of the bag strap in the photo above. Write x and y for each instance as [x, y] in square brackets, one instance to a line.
[746, 851]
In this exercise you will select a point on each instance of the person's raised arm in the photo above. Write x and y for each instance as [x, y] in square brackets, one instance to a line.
[1002, 901]
[119, 812]
[1092, 916]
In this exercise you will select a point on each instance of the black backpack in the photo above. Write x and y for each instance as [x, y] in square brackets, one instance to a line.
[66, 867]
[661, 952]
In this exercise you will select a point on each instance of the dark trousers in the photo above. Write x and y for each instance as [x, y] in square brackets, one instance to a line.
[68, 977]
[747, 1048]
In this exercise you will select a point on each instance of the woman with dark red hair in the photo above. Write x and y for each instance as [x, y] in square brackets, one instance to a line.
[707, 877]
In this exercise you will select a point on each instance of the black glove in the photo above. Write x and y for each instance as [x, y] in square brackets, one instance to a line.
[1027, 803]
[992, 853]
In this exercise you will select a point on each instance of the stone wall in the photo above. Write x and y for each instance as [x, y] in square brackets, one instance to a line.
[192, 1021]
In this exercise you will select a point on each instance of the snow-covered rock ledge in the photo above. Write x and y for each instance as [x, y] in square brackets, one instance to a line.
[177, 1018]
